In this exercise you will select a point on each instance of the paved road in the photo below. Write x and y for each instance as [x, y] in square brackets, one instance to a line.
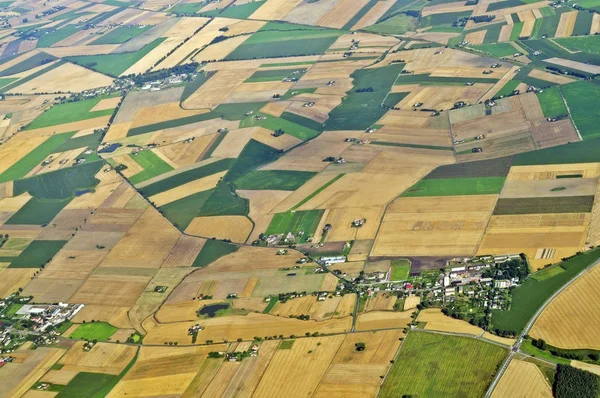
[517, 347]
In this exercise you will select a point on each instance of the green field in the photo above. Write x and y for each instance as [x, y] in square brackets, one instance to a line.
[290, 127]
[443, 19]
[286, 42]
[434, 365]
[49, 37]
[400, 270]
[7, 80]
[590, 44]
[552, 102]
[30, 161]
[274, 179]
[583, 23]
[212, 251]
[507, 89]
[153, 166]
[321, 188]
[566, 204]
[456, 186]
[188, 8]
[577, 152]
[360, 110]
[29, 63]
[114, 64]
[121, 34]
[295, 222]
[37, 254]
[181, 212]
[496, 49]
[531, 295]
[579, 96]
[241, 11]
[185, 177]
[52, 192]
[38, 212]
[255, 154]
[100, 331]
[69, 112]
[396, 25]
[274, 75]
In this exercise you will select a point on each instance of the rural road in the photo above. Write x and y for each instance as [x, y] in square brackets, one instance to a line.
[517, 347]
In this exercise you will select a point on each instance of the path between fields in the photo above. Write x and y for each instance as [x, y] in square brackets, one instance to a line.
[517, 347]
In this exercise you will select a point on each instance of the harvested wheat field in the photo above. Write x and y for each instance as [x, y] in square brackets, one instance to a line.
[115, 315]
[146, 244]
[244, 326]
[571, 320]
[102, 358]
[522, 379]
[411, 302]
[163, 371]
[235, 228]
[566, 24]
[435, 320]
[383, 320]
[184, 252]
[381, 302]
[355, 373]
[185, 190]
[18, 377]
[298, 370]
[445, 225]
[67, 77]
[341, 223]
[217, 89]
[551, 172]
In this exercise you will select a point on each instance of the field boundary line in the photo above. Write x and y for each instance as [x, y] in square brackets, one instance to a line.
[389, 369]
[570, 115]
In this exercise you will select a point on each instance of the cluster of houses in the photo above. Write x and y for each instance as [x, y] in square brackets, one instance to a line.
[37, 322]
[172, 80]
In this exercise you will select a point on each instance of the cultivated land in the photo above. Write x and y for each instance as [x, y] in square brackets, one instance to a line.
[470, 361]
[184, 171]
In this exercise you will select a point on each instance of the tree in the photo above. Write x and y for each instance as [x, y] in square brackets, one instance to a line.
[360, 346]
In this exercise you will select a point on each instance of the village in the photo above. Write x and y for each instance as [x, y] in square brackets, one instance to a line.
[21, 322]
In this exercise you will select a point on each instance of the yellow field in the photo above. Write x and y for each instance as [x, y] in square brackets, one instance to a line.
[550, 77]
[522, 379]
[102, 358]
[381, 302]
[341, 222]
[274, 9]
[233, 144]
[217, 89]
[17, 378]
[544, 238]
[115, 315]
[434, 225]
[67, 77]
[235, 228]
[435, 320]
[14, 278]
[411, 302]
[163, 371]
[595, 28]
[571, 320]
[297, 371]
[566, 24]
[244, 326]
[147, 243]
[190, 188]
[383, 320]
[341, 13]
[550, 172]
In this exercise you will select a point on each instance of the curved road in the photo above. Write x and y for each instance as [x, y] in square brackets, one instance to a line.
[517, 346]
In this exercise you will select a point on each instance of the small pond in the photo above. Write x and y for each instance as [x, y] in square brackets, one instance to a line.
[211, 310]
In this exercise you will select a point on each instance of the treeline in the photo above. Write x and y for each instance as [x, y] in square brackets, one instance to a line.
[571, 382]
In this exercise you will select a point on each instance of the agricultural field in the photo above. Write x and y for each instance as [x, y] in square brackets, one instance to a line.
[464, 366]
[261, 197]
